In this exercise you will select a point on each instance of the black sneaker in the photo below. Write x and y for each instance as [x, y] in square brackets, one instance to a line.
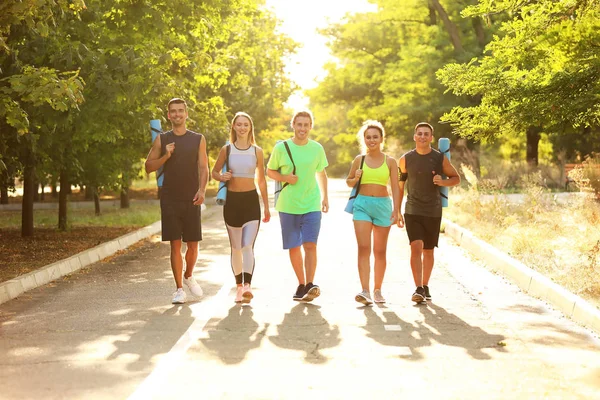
[299, 292]
[427, 294]
[311, 293]
[419, 295]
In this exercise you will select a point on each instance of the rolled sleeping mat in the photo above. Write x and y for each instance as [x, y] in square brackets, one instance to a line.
[222, 191]
[444, 148]
[156, 130]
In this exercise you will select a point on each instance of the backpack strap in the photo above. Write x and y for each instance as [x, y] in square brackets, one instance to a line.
[287, 148]
[362, 161]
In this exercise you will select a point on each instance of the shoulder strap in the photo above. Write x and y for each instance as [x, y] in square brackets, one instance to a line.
[287, 148]
[362, 161]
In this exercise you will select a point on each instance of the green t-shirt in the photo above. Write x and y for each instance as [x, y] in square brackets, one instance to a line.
[304, 196]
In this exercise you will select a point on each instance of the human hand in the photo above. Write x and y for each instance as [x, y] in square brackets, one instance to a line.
[400, 221]
[358, 173]
[437, 179]
[199, 197]
[267, 216]
[325, 205]
[170, 149]
[225, 177]
[291, 179]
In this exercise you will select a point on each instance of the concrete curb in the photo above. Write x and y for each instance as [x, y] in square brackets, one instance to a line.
[15, 287]
[530, 281]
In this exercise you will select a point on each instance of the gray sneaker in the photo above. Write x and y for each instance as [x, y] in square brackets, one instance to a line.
[364, 297]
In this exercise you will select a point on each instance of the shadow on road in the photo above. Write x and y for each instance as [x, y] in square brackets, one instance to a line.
[232, 337]
[450, 330]
[305, 329]
[404, 335]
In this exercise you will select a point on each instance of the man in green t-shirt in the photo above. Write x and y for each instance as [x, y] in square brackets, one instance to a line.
[301, 200]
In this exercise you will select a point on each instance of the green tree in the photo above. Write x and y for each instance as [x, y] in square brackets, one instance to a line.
[540, 74]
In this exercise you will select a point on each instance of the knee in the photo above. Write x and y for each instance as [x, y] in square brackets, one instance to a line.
[309, 246]
[176, 246]
[416, 248]
[380, 254]
[428, 253]
[364, 248]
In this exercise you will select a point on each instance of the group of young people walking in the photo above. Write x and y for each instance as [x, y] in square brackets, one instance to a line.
[298, 165]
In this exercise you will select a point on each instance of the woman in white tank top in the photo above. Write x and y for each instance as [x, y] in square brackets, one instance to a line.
[245, 162]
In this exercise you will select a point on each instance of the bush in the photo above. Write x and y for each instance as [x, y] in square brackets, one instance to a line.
[587, 177]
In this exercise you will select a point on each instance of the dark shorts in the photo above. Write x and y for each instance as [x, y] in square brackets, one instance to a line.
[423, 228]
[180, 220]
[241, 207]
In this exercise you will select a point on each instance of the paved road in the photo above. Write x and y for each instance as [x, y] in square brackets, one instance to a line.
[109, 331]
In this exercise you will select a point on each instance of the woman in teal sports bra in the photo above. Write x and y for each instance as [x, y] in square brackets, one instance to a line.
[374, 212]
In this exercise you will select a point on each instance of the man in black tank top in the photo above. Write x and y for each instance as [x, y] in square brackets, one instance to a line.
[182, 154]
[421, 172]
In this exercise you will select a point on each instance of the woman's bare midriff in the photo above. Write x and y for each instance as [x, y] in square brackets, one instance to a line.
[241, 184]
[373, 190]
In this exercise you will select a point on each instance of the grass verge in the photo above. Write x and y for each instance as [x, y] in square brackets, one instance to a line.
[559, 240]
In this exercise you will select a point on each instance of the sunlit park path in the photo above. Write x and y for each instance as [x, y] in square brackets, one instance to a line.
[110, 332]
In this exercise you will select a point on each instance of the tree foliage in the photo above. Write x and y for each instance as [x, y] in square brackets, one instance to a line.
[542, 70]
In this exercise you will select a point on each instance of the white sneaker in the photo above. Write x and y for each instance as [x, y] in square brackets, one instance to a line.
[238, 295]
[247, 294]
[179, 297]
[364, 297]
[378, 297]
[193, 286]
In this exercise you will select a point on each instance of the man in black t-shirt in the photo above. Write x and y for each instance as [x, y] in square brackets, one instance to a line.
[182, 154]
[421, 172]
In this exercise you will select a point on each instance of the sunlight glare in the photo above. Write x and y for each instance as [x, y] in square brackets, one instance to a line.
[300, 21]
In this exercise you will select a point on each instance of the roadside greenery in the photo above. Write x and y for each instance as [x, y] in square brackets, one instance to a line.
[558, 238]
[514, 80]
[105, 68]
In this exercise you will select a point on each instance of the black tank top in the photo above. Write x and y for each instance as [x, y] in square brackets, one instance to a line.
[423, 196]
[181, 170]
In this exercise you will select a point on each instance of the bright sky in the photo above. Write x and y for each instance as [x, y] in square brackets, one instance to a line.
[300, 21]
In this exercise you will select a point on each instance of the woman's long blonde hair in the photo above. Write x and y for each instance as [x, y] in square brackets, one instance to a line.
[233, 135]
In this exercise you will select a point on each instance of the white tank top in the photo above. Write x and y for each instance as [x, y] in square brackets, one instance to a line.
[242, 163]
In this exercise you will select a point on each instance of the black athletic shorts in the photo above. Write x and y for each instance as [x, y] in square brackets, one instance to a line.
[423, 228]
[241, 207]
[180, 220]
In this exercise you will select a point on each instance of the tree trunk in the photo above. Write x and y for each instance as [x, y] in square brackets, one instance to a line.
[96, 200]
[449, 25]
[533, 141]
[432, 14]
[125, 197]
[89, 192]
[479, 31]
[54, 190]
[42, 194]
[36, 190]
[27, 203]
[62, 200]
[3, 195]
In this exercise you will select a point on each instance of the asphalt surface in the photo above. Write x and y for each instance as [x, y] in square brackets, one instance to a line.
[110, 331]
